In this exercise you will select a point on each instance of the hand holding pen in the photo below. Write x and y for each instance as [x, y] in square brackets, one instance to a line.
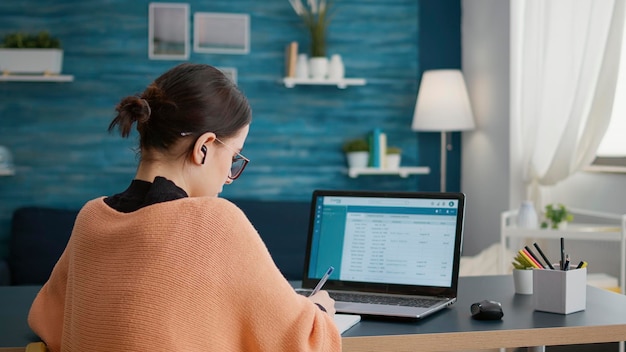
[322, 281]
[324, 302]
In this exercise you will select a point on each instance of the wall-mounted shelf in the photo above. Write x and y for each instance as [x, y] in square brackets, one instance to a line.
[291, 82]
[36, 78]
[402, 171]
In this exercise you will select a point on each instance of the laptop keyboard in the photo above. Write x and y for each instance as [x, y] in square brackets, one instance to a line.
[386, 300]
[420, 302]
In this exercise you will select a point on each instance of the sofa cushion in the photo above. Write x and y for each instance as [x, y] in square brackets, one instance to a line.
[38, 237]
[283, 226]
[5, 274]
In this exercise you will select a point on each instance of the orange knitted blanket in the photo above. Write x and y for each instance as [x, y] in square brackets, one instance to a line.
[184, 275]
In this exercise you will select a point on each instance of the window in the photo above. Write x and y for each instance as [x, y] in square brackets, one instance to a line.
[611, 154]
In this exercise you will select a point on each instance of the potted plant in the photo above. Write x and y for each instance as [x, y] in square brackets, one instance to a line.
[316, 17]
[556, 216]
[522, 275]
[24, 53]
[393, 157]
[357, 152]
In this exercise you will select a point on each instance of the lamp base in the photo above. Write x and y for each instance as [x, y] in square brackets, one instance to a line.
[444, 152]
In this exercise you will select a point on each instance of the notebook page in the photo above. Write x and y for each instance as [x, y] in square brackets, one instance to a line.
[346, 321]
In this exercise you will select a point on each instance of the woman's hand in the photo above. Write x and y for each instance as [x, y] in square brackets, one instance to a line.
[322, 298]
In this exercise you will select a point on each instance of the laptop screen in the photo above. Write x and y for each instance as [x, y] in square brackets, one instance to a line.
[402, 239]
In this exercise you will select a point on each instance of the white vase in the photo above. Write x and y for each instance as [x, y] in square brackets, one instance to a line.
[302, 66]
[358, 159]
[335, 67]
[318, 67]
[392, 161]
[527, 216]
[523, 281]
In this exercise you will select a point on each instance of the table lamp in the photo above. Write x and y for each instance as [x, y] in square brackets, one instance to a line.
[442, 105]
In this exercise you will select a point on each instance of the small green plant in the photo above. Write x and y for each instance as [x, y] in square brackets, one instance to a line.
[555, 214]
[41, 40]
[394, 150]
[316, 15]
[356, 145]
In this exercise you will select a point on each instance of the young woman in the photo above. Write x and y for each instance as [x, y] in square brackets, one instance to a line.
[166, 265]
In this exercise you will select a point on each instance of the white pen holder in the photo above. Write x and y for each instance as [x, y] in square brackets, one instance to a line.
[559, 291]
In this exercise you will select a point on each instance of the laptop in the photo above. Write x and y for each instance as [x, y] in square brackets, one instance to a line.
[394, 254]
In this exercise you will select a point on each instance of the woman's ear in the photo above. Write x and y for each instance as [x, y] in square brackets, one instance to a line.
[200, 149]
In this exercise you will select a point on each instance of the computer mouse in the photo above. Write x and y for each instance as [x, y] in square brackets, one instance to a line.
[487, 310]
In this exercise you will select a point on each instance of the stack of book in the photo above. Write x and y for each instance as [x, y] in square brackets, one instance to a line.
[378, 148]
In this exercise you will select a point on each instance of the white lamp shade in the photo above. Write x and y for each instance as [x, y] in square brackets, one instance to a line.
[442, 103]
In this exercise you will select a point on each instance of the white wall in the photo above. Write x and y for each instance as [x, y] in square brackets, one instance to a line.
[600, 192]
[491, 176]
[485, 169]
[595, 191]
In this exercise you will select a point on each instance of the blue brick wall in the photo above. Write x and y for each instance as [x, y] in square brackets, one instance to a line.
[64, 155]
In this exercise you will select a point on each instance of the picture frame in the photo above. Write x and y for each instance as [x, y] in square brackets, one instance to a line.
[221, 33]
[168, 31]
[230, 72]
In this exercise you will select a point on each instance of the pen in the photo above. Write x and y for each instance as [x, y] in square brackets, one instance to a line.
[582, 264]
[562, 264]
[543, 256]
[322, 281]
[566, 265]
[529, 259]
[534, 257]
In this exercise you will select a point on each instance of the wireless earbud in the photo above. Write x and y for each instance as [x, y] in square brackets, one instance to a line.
[203, 149]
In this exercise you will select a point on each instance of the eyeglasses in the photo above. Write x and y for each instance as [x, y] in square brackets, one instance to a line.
[239, 162]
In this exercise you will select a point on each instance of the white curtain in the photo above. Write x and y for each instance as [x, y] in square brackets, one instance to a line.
[564, 61]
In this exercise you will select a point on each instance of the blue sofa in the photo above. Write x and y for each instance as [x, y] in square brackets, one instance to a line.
[39, 235]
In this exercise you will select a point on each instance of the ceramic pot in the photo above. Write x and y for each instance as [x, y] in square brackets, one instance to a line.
[392, 161]
[318, 67]
[523, 281]
[335, 67]
[31, 61]
[302, 66]
[358, 159]
[527, 216]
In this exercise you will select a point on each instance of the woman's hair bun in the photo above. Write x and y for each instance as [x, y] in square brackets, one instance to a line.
[130, 110]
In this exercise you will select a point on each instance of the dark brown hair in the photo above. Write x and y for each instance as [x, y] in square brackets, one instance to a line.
[189, 99]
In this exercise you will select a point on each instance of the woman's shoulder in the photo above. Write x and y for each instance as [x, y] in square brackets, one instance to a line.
[212, 203]
[187, 207]
[218, 217]
[214, 209]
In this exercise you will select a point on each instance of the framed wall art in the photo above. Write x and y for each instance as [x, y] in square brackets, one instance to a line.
[221, 33]
[229, 72]
[168, 31]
